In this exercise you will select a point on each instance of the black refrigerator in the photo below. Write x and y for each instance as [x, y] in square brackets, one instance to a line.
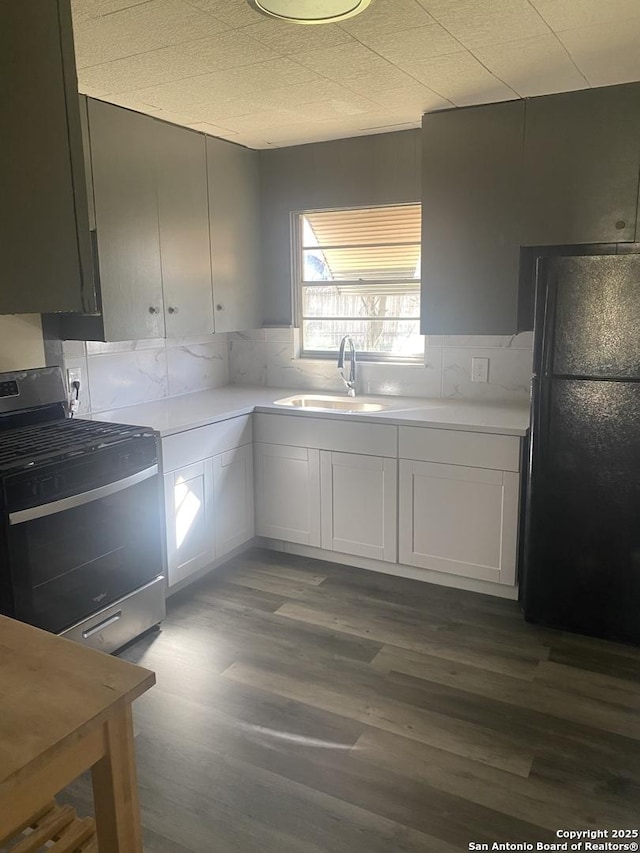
[581, 566]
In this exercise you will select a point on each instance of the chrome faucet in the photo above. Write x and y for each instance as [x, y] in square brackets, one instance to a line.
[351, 381]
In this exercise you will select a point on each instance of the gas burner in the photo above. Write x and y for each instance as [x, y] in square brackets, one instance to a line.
[40, 443]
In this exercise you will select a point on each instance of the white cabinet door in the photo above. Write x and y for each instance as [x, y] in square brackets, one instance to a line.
[459, 520]
[234, 223]
[358, 499]
[189, 507]
[233, 498]
[288, 493]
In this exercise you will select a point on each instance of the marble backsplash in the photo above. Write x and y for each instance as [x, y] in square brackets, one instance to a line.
[129, 372]
[269, 357]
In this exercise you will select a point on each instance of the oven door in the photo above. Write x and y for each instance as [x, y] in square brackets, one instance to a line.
[72, 557]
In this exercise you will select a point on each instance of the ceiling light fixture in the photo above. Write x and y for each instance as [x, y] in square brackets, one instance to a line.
[310, 11]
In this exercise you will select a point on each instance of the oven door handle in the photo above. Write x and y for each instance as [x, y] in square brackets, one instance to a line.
[79, 500]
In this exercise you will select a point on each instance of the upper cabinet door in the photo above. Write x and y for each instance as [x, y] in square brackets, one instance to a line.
[183, 211]
[44, 228]
[126, 204]
[471, 174]
[234, 209]
[581, 165]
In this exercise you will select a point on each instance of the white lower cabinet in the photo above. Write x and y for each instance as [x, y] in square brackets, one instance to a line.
[208, 492]
[189, 506]
[459, 520]
[358, 502]
[233, 498]
[287, 488]
[449, 504]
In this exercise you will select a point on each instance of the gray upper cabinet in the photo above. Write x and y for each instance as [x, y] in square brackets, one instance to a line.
[126, 205]
[234, 209]
[581, 165]
[471, 174]
[86, 151]
[183, 214]
[44, 234]
[151, 214]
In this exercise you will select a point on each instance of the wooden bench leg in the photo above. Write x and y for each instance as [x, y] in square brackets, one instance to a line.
[115, 790]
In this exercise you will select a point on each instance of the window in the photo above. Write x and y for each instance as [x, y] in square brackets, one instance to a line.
[358, 274]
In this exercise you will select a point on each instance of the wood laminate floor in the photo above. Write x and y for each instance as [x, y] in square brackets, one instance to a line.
[308, 707]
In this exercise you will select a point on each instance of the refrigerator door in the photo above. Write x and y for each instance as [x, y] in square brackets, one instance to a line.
[582, 534]
[596, 329]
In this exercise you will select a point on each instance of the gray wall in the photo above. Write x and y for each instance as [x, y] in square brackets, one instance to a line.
[365, 170]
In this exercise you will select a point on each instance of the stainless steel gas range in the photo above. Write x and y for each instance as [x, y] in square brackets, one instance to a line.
[81, 539]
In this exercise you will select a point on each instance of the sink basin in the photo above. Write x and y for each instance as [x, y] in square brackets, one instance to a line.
[321, 403]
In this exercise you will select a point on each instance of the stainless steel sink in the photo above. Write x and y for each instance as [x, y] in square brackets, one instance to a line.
[324, 403]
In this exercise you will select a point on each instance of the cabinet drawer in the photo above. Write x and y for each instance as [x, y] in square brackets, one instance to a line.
[326, 434]
[190, 446]
[474, 449]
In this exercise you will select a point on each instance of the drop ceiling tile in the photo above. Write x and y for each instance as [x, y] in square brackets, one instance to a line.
[226, 50]
[247, 82]
[296, 134]
[383, 121]
[263, 120]
[105, 39]
[179, 95]
[234, 13]
[606, 53]
[357, 68]
[482, 22]
[280, 137]
[533, 66]
[288, 38]
[141, 70]
[262, 83]
[248, 140]
[383, 82]
[574, 14]
[415, 97]
[171, 21]
[341, 62]
[82, 10]
[337, 109]
[343, 128]
[461, 79]
[412, 45]
[385, 16]
[131, 104]
[304, 93]
[212, 129]
[253, 80]
[218, 111]
[174, 118]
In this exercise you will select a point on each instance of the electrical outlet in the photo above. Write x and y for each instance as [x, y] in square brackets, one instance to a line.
[74, 374]
[479, 369]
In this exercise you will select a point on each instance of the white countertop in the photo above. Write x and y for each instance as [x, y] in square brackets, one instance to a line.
[177, 414]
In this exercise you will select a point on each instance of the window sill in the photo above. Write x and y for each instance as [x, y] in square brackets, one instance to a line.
[365, 358]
